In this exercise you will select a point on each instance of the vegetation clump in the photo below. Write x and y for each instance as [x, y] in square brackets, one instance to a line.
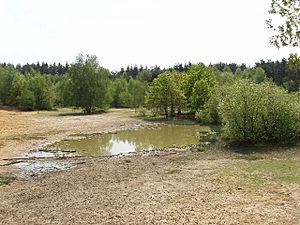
[252, 113]
[166, 95]
[6, 180]
[89, 84]
[253, 105]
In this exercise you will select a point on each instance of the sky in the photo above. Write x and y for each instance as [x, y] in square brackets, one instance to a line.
[137, 32]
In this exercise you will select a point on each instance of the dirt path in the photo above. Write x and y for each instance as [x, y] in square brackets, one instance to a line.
[185, 187]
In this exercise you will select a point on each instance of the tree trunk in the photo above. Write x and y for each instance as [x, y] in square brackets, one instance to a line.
[166, 112]
[88, 109]
[172, 110]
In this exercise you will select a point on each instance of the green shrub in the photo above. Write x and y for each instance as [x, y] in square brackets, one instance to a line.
[141, 111]
[209, 113]
[203, 116]
[27, 100]
[258, 113]
[43, 94]
[6, 180]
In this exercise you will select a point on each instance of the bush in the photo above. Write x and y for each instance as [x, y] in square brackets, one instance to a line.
[258, 113]
[203, 116]
[43, 94]
[27, 100]
[141, 111]
[209, 113]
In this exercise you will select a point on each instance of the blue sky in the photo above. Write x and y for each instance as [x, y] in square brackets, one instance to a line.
[142, 32]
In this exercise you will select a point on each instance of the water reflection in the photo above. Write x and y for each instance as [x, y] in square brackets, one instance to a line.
[135, 140]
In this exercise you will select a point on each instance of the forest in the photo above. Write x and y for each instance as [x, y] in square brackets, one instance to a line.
[239, 97]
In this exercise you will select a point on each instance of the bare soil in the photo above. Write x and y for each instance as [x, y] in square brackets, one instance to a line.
[174, 187]
[24, 131]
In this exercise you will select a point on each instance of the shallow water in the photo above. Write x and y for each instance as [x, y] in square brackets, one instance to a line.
[134, 140]
[36, 162]
[46, 154]
[32, 168]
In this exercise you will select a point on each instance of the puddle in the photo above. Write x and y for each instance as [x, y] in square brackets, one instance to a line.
[134, 140]
[46, 154]
[29, 169]
[33, 163]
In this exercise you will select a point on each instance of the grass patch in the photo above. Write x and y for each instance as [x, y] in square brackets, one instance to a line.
[266, 152]
[278, 171]
[66, 112]
[78, 112]
[250, 157]
[290, 179]
[59, 112]
[258, 173]
[238, 176]
[6, 180]
[124, 112]
[173, 121]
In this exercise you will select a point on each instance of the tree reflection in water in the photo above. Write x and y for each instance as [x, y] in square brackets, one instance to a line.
[135, 140]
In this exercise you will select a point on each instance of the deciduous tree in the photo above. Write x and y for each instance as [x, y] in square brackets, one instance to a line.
[201, 81]
[287, 29]
[89, 84]
[164, 94]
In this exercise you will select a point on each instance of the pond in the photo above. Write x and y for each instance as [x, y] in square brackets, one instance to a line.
[134, 140]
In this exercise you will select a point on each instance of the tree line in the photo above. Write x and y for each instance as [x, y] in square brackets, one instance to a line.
[42, 68]
[281, 72]
[248, 105]
[259, 104]
[252, 104]
[86, 84]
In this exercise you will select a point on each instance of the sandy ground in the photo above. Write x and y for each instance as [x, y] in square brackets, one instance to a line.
[174, 189]
[24, 131]
[185, 187]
